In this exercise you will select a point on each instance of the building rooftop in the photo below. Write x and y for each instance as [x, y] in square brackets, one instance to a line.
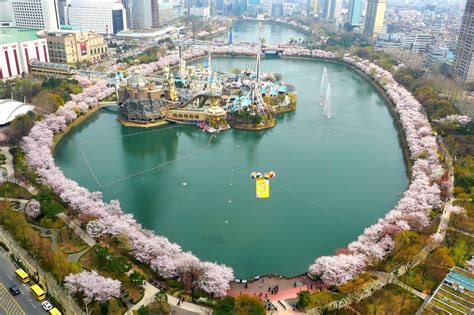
[9, 109]
[15, 34]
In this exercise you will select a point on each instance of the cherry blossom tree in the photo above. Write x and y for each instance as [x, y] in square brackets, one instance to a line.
[92, 286]
[33, 209]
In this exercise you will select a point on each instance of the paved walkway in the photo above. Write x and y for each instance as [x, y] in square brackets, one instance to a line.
[17, 204]
[77, 229]
[460, 232]
[182, 308]
[287, 287]
[51, 233]
[8, 164]
[419, 294]
[76, 256]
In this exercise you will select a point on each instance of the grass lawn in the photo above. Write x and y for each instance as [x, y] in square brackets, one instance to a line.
[391, 299]
[87, 261]
[11, 190]
[69, 242]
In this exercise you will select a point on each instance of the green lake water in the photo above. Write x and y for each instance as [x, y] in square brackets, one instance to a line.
[247, 31]
[334, 177]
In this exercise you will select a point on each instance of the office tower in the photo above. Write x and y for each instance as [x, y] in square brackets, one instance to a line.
[140, 14]
[463, 62]
[155, 14]
[312, 7]
[374, 17]
[331, 10]
[6, 16]
[354, 13]
[103, 17]
[39, 14]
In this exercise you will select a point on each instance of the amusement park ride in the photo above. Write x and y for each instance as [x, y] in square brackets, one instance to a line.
[213, 100]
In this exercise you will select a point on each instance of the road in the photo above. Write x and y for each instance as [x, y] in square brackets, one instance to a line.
[23, 303]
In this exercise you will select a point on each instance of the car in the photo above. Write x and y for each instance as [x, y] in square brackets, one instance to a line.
[46, 305]
[14, 290]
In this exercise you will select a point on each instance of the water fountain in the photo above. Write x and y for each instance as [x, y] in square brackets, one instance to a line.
[327, 102]
[323, 87]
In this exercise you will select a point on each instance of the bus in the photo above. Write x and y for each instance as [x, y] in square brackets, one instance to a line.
[22, 275]
[54, 311]
[38, 292]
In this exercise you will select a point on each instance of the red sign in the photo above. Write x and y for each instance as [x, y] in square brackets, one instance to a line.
[83, 48]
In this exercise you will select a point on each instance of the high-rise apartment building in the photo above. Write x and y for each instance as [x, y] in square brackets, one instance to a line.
[354, 13]
[312, 7]
[155, 14]
[374, 17]
[331, 10]
[103, 17]
[464, 60]
[37, 14]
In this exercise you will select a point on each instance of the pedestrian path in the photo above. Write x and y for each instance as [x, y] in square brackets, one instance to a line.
[8, 303]
[183, 307]
[77, 229]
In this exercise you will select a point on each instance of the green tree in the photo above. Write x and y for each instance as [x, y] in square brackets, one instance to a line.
[136, 278]
[20, 127]
[47, 102]
[248, 305]
[303, 299]
[225, 306]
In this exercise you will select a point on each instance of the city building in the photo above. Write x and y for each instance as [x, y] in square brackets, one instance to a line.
[36, 14]
[312, 7]
[331, 10]
[453, 295]
[141, 14]
[155, 14]
[436, 55]
[393, 28]
[374, 17]
[62, 4]
[73, 47]
[18, 46]
[354, 13]
[464, 60]
[387, 40]
[168, 32]
[6, 16]
[103, 17]
[415, 42]
[277, 9]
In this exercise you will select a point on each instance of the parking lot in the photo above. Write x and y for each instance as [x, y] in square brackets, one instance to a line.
[8, 304]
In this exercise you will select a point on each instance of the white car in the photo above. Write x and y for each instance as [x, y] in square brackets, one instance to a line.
[46, 305]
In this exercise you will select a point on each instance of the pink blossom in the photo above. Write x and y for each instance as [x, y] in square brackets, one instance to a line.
[33, 209]
[92, 286]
